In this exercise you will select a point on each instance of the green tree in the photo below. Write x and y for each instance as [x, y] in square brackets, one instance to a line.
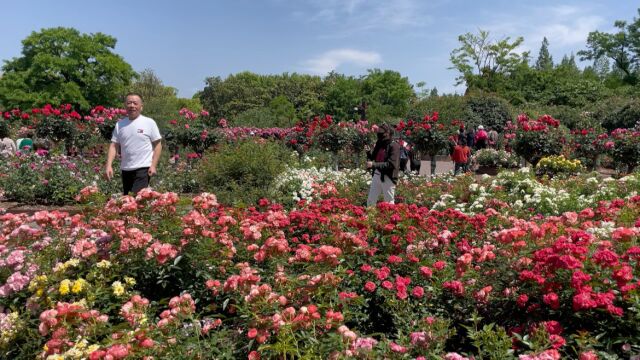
[341, 94]
[304, 92]
[482, 61]
[160, 102]
[387, 93]
[236, 94]
[545, 61]
[622, 47]
[61, 65]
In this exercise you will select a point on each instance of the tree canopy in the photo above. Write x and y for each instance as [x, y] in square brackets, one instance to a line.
[61, 65]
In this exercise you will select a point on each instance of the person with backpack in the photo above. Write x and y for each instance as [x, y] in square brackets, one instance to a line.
[384, 163]
[404, 154]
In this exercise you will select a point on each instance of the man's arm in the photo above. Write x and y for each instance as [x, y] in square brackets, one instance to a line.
[111, 154]
[157, 149]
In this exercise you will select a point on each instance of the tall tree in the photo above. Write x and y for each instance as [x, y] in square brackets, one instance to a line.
[545, 61]
[622, 47]
[481, 60]
[62, 65]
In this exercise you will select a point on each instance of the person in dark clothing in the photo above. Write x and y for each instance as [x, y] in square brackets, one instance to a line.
[461, 136]
[384, 163]
[415, 160]
[471, 135]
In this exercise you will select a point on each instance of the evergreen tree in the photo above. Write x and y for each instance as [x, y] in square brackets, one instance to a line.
[545, 61]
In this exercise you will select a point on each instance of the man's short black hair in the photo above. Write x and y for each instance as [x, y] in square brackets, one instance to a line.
[133, 94]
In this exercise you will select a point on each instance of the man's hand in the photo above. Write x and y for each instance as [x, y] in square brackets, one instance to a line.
[152, 171]
[369, 164]
[108, 172]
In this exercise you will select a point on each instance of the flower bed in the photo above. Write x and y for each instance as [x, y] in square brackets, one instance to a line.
[159, 276]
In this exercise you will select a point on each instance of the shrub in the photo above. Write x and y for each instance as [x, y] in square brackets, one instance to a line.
[618, 113]
[244, 172]
[555, 165]
[190, 131]
[586, 145]
[625, 117]
[262, 117]
[495, 158]
[449, 108]
[56, 124]
[490, 111]
[35, 180]
[625, 148]
[535, 139]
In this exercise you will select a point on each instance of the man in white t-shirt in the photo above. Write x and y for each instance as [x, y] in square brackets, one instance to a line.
[139, 141]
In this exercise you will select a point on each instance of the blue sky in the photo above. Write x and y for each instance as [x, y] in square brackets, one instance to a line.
[186, 41]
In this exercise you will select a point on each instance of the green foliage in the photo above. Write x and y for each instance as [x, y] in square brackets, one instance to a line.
[449, 108]
[260, 117]
[576, 93]
[619, 113]
[387, 94]
[283, 110]
[626, 149]
[491, 341]
[279, 113]
[34, 180]
[243, 172]
[244, 91]
[479, 59]
[4, 129]
[55, 128]
[61, 65]
[621, 47]
[488, 110]
[341, 95]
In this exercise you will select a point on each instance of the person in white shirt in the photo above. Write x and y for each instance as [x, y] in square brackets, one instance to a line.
[139, 141]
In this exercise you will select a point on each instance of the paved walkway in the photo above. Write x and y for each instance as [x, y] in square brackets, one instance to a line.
[441, 167]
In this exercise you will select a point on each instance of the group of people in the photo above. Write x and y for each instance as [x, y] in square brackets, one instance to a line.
[25, 142]
[138, 140]
[386, 159]
[466, 141]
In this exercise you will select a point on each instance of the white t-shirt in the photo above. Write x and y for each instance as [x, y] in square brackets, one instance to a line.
[135, 138]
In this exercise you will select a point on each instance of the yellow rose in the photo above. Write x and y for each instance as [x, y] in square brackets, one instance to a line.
[65, 286]
[118, 288]
[78, 285]
[104, 264]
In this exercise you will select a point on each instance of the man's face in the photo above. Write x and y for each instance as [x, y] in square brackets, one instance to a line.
[133, 104]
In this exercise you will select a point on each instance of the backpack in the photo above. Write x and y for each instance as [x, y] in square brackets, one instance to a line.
[404, 153]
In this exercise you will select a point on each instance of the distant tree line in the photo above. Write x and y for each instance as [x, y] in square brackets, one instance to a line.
[62, 65]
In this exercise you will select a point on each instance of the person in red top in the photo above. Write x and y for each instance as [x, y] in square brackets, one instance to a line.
[459, 156]
[481, 138]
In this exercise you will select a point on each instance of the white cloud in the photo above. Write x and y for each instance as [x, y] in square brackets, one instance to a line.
[350, 16]
[568, 33]
[332, 59]
[566, 27]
